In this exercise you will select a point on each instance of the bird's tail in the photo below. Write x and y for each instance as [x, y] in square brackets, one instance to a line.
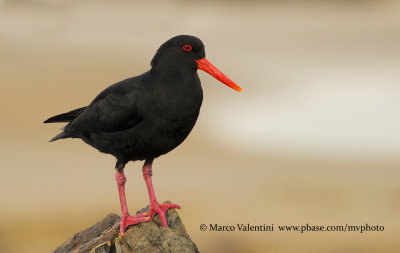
[61, 135]
[65, 117]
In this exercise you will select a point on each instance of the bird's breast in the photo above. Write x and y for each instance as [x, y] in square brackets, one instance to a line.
[176, 101]
[176, 108]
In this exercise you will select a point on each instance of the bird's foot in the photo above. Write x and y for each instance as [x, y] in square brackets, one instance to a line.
[155, 208]
[127, 220]
[161, 210]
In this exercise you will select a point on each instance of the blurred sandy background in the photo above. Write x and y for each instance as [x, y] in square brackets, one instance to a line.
[313, 138]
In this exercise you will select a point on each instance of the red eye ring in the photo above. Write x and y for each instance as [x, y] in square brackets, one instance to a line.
[187, 48]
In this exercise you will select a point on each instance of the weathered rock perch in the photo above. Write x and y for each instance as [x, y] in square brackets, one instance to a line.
[147, 237]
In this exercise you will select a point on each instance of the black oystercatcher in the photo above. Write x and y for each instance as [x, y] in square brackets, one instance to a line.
[144, 117]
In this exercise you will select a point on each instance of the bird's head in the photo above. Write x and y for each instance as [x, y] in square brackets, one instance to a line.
[185, 52]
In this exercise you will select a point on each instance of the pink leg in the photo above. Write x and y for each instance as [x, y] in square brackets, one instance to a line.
[126, 219]
[155, 207]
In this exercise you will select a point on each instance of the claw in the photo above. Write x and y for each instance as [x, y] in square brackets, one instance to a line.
[161, 210]
[127, 220]
[142, 214]
[165, 207]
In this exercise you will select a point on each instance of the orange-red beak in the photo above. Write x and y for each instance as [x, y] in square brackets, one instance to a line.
[206, 66]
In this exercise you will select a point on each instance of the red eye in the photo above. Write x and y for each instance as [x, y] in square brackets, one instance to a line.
[187, 47]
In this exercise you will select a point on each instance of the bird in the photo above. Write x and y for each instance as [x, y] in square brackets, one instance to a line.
[146, 116]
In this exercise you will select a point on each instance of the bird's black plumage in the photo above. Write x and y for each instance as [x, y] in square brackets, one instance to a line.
[145, 116]
[65, 117]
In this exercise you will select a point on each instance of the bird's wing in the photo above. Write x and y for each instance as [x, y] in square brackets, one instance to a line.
[112, 110]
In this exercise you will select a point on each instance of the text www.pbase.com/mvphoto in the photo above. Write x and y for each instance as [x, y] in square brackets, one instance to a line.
[292, 228]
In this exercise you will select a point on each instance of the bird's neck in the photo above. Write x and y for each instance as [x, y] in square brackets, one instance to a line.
[174, 74]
